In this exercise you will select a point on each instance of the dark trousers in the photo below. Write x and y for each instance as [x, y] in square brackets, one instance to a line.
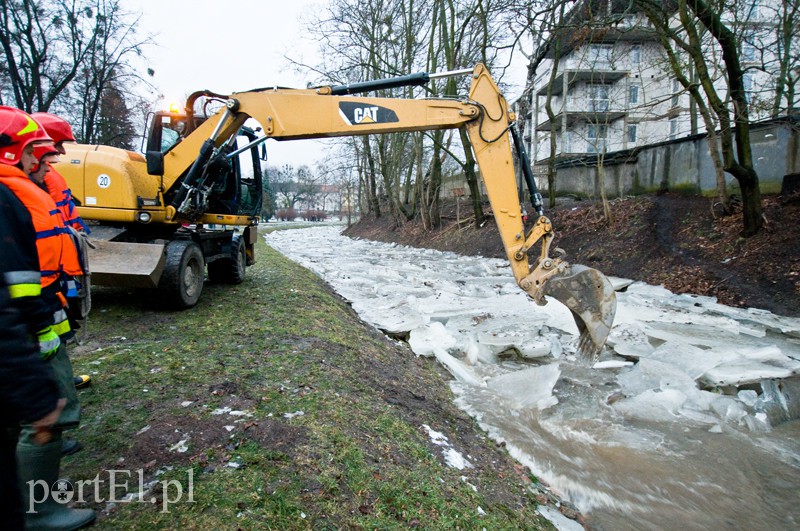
[11, 515]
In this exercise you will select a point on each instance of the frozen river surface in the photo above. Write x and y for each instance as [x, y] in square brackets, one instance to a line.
[688, 421]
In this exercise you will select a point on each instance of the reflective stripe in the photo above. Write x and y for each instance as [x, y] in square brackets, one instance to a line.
[22, 277]
[72, 288]
[62, 328]
[17, 291]
[49, 347]
[23, 283]
[55, 231]
[60, 315]
[61, 325]
[62, 195]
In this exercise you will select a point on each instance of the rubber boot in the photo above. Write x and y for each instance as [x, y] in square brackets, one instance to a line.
[82, 380]
[37, 466]
[70, 446]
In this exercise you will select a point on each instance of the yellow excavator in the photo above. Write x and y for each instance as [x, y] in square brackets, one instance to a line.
[193, 200]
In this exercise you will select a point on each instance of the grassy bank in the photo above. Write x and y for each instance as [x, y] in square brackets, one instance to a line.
[284, 411]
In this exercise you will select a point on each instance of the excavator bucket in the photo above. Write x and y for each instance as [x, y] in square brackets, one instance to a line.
[123, 264]
[590, 297]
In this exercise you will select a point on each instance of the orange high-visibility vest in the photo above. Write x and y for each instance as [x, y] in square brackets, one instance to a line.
[62, 195]
[57, 252]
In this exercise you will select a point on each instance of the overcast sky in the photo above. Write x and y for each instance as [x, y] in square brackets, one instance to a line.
[229, 47]
[235, 46]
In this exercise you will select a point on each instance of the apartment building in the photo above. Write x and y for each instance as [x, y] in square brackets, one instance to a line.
[613, 88]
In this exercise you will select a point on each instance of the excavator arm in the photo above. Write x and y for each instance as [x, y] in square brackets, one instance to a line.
[287, 114]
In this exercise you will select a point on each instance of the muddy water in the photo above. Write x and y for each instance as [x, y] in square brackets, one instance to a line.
[635, 474]
[691, 434]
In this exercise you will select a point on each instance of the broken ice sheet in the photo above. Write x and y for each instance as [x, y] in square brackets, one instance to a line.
[531, 387]
[691, 360]
[423, 340]
[743, 371]
[650, 374]
[653, 404]
[460, 370]
[611, 364]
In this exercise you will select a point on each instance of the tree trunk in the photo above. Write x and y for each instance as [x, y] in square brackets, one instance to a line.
[741, 166]
[554, 128]
[372, 190]
[472, 179]
[435, 185]
[421, 189]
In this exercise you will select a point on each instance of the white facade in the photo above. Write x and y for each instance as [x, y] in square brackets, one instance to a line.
[615, 90]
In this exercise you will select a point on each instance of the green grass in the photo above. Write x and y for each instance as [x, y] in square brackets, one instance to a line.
[279, 343]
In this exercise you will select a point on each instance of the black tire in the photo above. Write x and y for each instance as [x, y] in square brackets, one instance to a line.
[182, 280]
[230, 270]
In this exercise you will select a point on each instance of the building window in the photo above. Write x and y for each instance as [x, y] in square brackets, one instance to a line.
[748, 52]
[754, 11]
[636, 54]
[596, 138]
[676, 92]
[633, 94]
[600, 55]
[598, 98]
[747, 82]
[748, 47]
[632, 134]
[673, 128]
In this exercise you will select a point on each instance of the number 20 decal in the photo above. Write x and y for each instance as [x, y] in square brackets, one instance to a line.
[103, 180]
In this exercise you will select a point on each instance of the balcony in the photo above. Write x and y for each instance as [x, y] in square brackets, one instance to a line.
[589, 111]
[574, 76]
[604, 29]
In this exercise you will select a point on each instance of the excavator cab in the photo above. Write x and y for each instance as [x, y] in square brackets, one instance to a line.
[167, 128]
[232, 177]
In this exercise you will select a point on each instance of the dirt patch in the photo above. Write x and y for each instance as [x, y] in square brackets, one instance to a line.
[671, 240]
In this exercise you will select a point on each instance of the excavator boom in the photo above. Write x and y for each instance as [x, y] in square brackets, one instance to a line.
[336, 111]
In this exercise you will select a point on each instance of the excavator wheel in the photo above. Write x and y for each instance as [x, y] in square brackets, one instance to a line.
[183, 276]
[230, 270]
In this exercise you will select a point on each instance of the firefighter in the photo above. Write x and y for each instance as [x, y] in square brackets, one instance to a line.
[28, 388]
[39, 464]
[54, 183]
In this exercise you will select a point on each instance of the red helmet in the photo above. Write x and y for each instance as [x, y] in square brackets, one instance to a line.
[17, 130]
[42, 150]
[57, 127]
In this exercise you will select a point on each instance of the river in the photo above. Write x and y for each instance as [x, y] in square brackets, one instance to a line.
[688, 421]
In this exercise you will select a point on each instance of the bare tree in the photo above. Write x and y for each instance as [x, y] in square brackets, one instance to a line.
[44, 44]
[734, 119]
[401, 174]
[784, 48]
[69, 57]
[106, 71]
[114, 126]
[675, 46]
[290, 185]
